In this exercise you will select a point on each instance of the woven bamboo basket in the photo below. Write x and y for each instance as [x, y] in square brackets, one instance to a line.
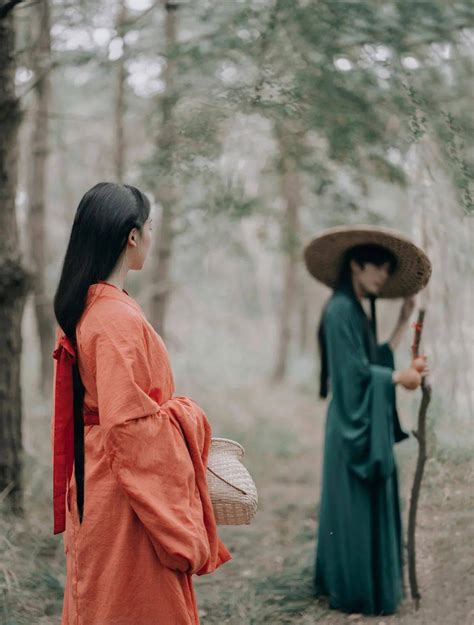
[231, 487]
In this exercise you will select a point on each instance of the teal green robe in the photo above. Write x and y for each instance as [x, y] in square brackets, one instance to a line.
[359, 551]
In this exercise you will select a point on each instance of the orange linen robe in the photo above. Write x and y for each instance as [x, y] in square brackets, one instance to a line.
[148, 524]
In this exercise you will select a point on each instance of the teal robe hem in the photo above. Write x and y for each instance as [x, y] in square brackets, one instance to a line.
[359, 562]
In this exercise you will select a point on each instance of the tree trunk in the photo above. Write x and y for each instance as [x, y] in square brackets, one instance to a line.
[166, 191]
[37, 184]
[119, 107]
[290, 236]
[14, 279]
[305, 334]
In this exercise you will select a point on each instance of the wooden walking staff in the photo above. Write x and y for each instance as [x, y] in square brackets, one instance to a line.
[420, 435]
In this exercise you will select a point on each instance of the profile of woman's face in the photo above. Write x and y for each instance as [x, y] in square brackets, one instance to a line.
[137, 253]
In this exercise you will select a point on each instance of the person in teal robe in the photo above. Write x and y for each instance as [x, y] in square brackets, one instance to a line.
[359, 559]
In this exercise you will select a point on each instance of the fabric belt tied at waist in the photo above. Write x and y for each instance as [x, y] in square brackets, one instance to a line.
[91, 417]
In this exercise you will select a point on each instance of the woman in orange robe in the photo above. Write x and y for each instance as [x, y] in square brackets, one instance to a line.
[129, 456]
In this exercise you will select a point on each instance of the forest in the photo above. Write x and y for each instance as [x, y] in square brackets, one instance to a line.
[251, 125]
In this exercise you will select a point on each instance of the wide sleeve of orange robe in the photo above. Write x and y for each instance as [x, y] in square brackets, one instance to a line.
[145, 449]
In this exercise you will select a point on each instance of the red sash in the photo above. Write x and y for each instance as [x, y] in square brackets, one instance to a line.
[63, 440]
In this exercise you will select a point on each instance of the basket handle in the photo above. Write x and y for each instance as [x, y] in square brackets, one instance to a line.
[209, 469]
[226, 482]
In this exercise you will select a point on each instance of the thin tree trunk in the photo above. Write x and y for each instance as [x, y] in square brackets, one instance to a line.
[119, 107]
[37, 184]
[290, 236]
[305, 334]
[166, 190]
[68, 198]
[14, 279]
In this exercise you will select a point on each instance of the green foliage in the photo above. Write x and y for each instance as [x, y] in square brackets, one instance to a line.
[331, 70]
[335, 68]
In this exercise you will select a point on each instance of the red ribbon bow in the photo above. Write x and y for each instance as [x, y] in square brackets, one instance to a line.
[63, 446]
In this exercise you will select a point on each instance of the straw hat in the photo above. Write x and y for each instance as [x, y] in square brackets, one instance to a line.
[231, 487]
[324, 256]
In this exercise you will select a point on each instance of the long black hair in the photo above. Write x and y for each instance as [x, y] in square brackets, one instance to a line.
[104, 218]
[361, 254]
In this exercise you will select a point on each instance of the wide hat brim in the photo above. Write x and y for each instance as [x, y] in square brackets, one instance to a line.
[324, 256]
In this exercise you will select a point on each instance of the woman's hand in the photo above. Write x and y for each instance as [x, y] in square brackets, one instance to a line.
[409, 378]
[421, 365]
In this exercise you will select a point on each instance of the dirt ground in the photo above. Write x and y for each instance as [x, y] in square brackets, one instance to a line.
[269, 579]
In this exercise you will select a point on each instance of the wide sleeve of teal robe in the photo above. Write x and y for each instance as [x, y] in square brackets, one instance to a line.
[363, 394]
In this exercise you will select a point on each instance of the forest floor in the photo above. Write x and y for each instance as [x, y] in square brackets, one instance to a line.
[269, 578]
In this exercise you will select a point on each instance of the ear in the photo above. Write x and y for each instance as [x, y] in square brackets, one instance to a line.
[132, 237]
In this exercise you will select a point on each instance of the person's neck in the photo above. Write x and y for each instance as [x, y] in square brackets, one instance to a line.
[117, 278]
[358, 290]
